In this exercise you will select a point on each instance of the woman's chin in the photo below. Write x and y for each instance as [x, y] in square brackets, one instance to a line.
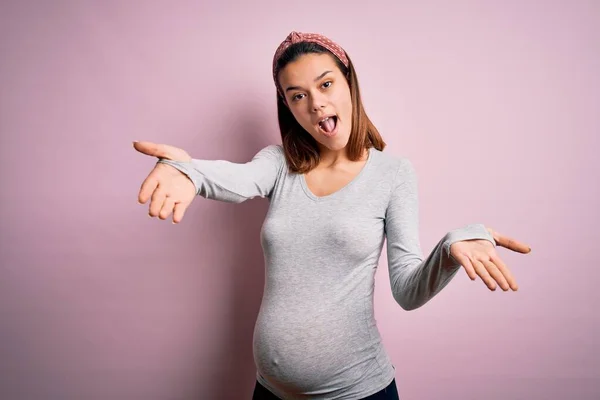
[334, 143]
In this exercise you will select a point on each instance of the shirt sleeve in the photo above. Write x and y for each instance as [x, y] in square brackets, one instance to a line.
[414, 279]
[234, 182]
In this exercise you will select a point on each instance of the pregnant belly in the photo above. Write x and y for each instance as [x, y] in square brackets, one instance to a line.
[315, 353]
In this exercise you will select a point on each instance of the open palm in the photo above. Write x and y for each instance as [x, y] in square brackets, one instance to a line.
[168, 189]
[480, 258]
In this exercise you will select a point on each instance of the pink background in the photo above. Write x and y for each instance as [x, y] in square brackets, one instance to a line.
[496, 103]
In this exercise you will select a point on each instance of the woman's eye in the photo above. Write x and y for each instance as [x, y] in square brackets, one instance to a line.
[299, 96]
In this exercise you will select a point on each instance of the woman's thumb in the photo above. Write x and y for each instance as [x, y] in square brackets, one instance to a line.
[162, 151]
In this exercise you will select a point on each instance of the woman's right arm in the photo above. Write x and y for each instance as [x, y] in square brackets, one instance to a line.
[233, 182]
[177, 178]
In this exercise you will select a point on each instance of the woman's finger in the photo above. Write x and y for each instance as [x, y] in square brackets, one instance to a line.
[148, 187]
[511, 243]
[157, 201]
[495, 274]
[179, 211]
[506, 272]
[162, 151]
[167, 208]
[483, 273]
[466, 263]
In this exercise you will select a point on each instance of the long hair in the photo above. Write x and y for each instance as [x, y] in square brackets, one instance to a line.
[301, 149]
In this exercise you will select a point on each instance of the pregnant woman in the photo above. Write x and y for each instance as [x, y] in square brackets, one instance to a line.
[334, 198]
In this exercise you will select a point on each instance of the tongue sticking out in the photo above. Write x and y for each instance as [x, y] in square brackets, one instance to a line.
[328, 125]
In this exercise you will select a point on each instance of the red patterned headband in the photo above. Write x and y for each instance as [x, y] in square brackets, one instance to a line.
[297, 37]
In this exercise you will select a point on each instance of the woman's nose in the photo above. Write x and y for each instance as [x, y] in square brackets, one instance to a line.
[318, 102]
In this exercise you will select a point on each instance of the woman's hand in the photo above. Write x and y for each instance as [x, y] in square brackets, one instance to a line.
[479, 258]
[169, 190]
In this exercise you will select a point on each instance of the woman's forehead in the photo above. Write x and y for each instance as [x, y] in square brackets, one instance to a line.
[308, 66]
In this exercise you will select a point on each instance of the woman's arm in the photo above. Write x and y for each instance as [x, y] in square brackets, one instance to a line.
[234, 182]
[415, 279]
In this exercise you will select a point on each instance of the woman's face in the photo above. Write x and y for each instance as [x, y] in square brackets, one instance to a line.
[315, 88]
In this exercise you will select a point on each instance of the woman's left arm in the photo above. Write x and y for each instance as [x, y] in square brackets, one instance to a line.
[415, 279]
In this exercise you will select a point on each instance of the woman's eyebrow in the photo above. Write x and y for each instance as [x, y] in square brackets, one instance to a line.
[316, 79]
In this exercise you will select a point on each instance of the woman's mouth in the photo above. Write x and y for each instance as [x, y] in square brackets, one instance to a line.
[328, 126]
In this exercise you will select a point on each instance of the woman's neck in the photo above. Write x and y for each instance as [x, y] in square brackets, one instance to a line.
[331, 158]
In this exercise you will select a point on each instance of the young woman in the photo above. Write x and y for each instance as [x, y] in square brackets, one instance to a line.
[334, 197]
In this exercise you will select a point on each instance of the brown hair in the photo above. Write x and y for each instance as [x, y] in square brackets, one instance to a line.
[300, 148]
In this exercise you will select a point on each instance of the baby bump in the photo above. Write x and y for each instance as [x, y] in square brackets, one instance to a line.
[305, 354]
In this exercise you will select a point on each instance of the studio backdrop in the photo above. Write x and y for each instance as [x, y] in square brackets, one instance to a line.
[495, 103]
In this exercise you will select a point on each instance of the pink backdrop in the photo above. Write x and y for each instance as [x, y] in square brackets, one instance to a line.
[496, 103]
